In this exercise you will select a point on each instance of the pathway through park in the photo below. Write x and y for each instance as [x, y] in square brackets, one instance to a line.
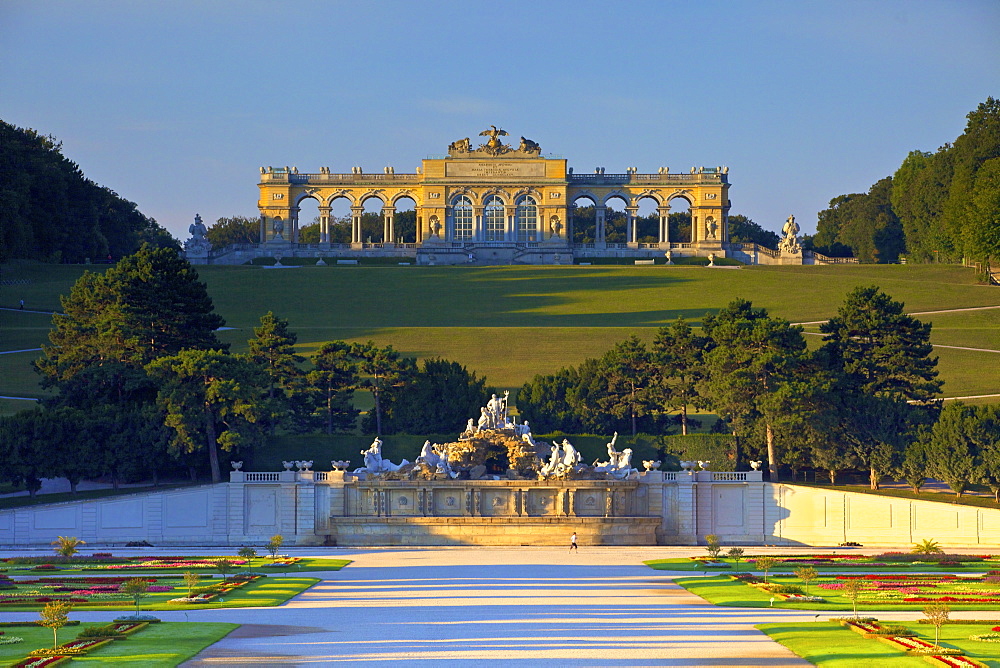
[517, 606]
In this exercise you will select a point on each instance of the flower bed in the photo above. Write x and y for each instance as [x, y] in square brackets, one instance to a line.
[40, 662]
[217, 590]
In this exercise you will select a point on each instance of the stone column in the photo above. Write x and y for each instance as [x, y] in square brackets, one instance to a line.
[510, 234]
[609, 503]
[664, 237]
[294, 224]
[572, 503]
[324, 224]
[478, 231]
[631, 234]
[388, 224]
[599, 233]
[356, 212]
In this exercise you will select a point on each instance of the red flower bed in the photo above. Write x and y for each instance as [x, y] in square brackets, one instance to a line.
[40, 662]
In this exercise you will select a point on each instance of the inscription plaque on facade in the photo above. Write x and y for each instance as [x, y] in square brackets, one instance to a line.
[496, 169]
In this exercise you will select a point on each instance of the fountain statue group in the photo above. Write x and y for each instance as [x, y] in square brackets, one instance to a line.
[437, 461]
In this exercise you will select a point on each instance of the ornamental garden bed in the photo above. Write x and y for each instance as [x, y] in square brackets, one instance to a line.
[894, 561]
[878, 591]
[165, 593]
[831, 645]
[104, 562]
[163, 644]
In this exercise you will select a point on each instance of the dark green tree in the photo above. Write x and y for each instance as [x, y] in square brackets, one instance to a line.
[438, 398]
[331, 384]
[380, 369]
[881, 350]
[273, 349]
[212, 400]
[50, 211]
[745, 230]
[677, 359]
[915, 466]
[151, 304]
[952, 446]
[988, 459]
[751, 359]
[627, 372]
[234, 230]
[544, 401]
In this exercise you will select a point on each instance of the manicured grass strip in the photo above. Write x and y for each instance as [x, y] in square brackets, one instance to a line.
[269, 591]
[263, 564]
[265, 592]
[685, 564]
[829, 645]
[723, 590]
[163, 644]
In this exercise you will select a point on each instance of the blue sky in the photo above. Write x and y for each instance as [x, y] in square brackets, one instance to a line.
[175, 105]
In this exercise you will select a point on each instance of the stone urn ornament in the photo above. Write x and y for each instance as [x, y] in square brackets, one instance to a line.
[237, 466]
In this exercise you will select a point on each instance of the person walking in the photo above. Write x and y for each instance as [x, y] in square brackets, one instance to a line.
[21, 305]
[572, 542]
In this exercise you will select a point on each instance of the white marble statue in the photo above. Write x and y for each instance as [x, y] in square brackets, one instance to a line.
[703, 466]
[790, 240]
[755, 465]
[429, 456]
[374, 463]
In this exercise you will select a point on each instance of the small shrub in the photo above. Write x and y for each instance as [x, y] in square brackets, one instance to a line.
[784, 589]
[712, 545]
[927, 546]
[66, 545]
[138, 543]
[850, 543]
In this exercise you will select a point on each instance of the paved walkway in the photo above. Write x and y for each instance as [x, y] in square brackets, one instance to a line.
[476, 606]
[481, 606]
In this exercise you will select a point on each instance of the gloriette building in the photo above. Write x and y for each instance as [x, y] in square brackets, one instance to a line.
[495, 203]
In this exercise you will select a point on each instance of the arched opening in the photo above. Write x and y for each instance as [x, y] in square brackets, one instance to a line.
[526, 218]
[584, 220]
[340, 220]
[461, 218]
[372, 225]
[405, 220]
[308, 217]
[494, 223]
[647, 221]
[680, 220]
[615, 220]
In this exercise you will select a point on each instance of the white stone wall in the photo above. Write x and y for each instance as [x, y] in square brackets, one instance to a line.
[310, 508]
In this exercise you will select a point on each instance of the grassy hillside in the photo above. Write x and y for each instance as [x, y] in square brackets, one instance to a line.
[510, 323]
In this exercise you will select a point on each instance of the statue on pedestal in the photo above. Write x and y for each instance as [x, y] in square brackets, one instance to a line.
[198, 244]
[789, 243]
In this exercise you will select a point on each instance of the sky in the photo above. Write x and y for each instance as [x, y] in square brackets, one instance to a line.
[176, 105]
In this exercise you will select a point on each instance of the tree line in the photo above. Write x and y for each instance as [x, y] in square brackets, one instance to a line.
[144, 386]
[246, 229]
[855, 402]
[50, 211]
[938, 206]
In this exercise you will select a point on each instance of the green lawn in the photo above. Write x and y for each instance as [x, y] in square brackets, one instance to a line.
[509, 323]
[266, 592]
[163, 644]
[830, 645]
[685, 564]
[722, 590]
[304, 565]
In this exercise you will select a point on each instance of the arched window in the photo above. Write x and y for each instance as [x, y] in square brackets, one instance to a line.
[493, 215]
[461, 213]
[526, 219]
